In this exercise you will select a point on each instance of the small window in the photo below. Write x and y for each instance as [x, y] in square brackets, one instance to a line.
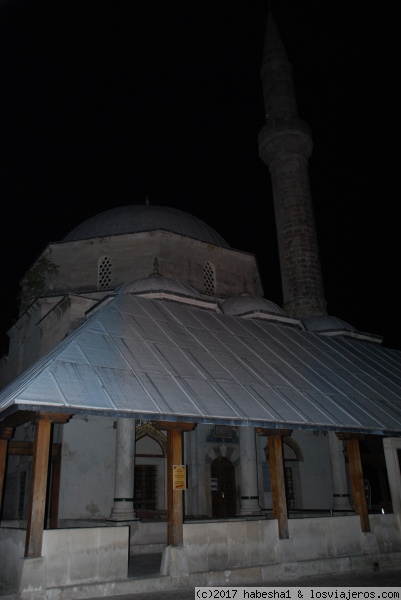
[145, 495]
[209, 279]
[104, 273]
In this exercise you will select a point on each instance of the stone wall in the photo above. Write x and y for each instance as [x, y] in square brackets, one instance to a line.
[219, 546]
[12, 546]
[69, 557]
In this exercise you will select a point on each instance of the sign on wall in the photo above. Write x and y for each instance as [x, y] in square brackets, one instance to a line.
[179, 477]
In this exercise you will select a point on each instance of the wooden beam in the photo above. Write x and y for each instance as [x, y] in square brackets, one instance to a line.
[276, 464]
[278, 484]
[19, 448]
[5, 435]
[34, 533]
[357, 483]
[166, 425]
[175, 500]
[281, 432]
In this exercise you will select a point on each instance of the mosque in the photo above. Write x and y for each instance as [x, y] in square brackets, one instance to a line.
[153, 401]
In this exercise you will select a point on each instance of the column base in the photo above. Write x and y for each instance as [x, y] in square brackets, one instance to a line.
[174, 561]
[250, 506]
[33, 579]
[128, 516]
[123, 510]
[341, 502]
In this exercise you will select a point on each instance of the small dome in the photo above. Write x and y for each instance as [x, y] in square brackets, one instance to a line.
[326, 323]
[333, 326]
[247, 303]
[136, 218]
[158, 283]
[158, 287]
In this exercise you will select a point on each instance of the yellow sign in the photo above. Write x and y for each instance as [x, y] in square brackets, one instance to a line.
[179, 477]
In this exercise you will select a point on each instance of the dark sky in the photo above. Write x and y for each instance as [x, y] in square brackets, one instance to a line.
[103, 103]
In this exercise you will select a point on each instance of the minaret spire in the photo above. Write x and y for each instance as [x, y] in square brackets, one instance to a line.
[285, 144]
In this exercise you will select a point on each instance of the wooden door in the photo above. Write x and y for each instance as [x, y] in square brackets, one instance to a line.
[223, 488]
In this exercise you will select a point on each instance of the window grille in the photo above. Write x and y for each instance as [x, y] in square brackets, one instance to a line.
[104, 273]
[289, 487]
[22, 489]
[145, 495]
[209, 279]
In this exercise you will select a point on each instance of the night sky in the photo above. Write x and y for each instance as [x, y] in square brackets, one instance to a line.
[107, 103]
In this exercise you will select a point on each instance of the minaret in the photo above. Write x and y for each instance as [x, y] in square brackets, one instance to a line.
[285, 144]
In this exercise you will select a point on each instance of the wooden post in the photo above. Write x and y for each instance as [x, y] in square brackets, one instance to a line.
[175, 498]
[276, 464]
[5, 434]
[41, 448]
[278, 484]
[40, 466]
[356, 476]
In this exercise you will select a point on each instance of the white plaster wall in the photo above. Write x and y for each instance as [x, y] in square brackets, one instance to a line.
[87, 468]
[315, 470]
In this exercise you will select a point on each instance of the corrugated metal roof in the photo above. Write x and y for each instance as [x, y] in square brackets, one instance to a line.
[155, 359]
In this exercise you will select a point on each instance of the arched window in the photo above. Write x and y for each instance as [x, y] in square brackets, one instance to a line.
[104, 273]
[209, 278]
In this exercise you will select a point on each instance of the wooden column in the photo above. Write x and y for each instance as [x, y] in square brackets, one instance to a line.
[175, 499]
[5, 435]
[40, 465]
[356, 476]
[276, 463]
[37, 501]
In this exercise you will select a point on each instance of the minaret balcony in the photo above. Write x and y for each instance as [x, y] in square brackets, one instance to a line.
[284, 135]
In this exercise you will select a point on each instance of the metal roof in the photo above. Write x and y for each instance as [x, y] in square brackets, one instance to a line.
[157, 359]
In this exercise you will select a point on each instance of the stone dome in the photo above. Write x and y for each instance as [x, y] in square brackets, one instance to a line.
[327, 323]
[158, 283]
[333, 326]
[247, 303]
[136, 218]
[156, 286]
[255, 307]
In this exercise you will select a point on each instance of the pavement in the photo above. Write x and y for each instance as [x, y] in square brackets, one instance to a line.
[149, 566]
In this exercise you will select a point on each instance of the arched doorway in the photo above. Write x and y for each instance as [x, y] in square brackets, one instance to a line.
[292, 454]
[150, 499]
[222, 474]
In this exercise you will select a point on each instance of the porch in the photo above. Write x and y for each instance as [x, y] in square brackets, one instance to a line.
[90, 562]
